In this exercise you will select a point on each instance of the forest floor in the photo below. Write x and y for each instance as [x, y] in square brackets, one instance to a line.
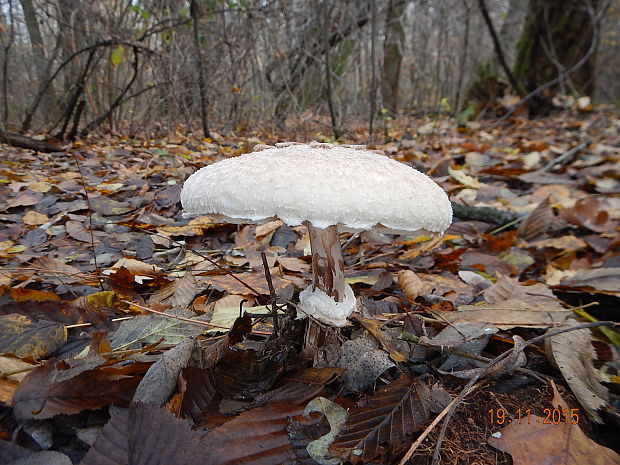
[92, 243]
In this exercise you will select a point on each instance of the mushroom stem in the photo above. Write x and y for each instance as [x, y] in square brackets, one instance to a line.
[327, 262]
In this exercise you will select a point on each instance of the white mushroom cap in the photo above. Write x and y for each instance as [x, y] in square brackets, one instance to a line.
[326, 185]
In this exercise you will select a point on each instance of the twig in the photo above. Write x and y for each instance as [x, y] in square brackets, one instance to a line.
[498, 48]
[430, 428]
[224, 269]
[494, 362]
[272, 294]
[90, 222]
[81, 325]
[188, 320]
[565, 157]
[406, 336]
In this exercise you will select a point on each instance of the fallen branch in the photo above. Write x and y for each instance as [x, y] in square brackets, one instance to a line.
[24, 142]
[486, 214]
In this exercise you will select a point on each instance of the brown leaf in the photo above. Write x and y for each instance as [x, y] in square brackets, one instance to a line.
[123, 283]
[600, 279]
[109, 207]
[146, 435]
[255, 437]
[410, 283]
[538, 222]
[65, 313]
[572, 353]
[490, 264]
[563, 443]
[33, 218]
[374, 328]
[245, 372]
[56, 271]
[255, 280]
[7, 390]
[25, 200]
[382, 425]
[568, 242]
[301, 386]
[41, 395]
[589, 213]
[21, 294]
[77, 231]
[161, 378]
[185, 291]
[199, 391]
[510, 289]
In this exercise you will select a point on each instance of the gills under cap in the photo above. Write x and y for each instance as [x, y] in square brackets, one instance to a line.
[326, 185]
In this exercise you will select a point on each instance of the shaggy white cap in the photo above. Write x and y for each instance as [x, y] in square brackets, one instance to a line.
[326, 185]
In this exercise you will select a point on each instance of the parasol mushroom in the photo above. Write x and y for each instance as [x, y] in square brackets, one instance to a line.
[328, 188]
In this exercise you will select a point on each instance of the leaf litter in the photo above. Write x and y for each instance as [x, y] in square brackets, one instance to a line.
[107, 311]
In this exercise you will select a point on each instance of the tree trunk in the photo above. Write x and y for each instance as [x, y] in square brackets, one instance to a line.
[202, 81]
[488, 85]
[38, 53]
[557, 34]
[328, 72]
[392, 54]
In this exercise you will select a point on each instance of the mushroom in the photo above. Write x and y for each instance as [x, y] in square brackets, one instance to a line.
[328, 188]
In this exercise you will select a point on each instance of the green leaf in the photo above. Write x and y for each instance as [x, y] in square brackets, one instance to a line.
[116, 57]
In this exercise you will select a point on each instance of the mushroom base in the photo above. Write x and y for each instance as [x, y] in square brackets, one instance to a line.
[319, 305]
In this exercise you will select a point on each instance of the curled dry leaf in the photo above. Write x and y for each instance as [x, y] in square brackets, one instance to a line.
[572, 353]
[538, 222]
[185, 291]
[410, 283]
[161, 378]
[510, 289]
[508, 365]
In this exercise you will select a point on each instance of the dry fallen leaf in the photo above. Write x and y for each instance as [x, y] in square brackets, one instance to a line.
[558, 443]
[33, 218]
[572, 353]
[538, 222]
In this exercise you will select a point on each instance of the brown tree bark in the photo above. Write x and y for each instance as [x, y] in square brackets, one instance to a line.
[557, 35]
[392, 54]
